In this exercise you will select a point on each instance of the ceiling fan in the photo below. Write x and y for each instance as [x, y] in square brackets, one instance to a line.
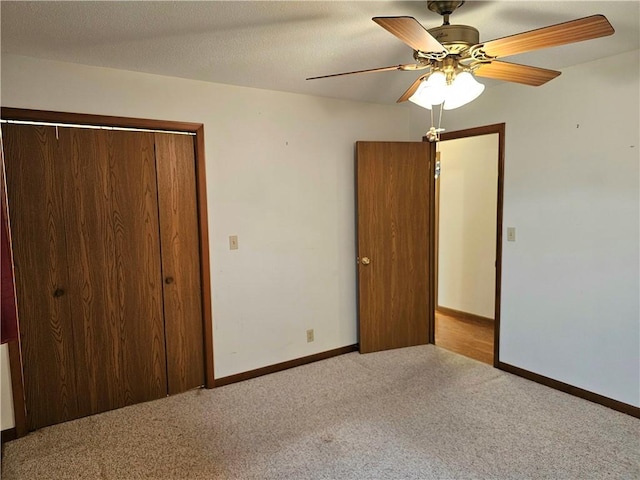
[454, 55]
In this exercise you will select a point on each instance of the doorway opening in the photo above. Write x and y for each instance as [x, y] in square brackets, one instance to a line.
[468, 242]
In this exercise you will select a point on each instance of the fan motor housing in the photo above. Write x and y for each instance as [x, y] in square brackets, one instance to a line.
[456, 38]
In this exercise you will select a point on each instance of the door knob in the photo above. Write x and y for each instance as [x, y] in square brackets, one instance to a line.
[365, 261]
[168, 280]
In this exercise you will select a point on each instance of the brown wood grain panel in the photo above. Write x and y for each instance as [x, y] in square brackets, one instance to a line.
[393, 194]
[92, 261]
[36, 209]
[180, 261]
[205, 265]
[512, 72]
[578, 30]
[134, 214]
[411, 32]
[112, 226]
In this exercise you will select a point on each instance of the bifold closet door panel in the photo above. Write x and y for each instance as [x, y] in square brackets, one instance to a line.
[177, 198]
[36, 208]
[138, 266]
[113, 249]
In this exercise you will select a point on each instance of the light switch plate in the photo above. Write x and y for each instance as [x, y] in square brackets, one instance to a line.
[233, 242]
[511, 234]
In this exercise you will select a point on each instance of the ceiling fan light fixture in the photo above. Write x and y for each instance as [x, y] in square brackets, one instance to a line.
[456, 92]
[464, 89]
[457, 53]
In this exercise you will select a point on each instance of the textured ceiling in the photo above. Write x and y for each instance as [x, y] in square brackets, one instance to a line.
[276, 45]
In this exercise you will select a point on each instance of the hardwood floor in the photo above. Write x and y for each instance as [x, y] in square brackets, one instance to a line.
[469, 337]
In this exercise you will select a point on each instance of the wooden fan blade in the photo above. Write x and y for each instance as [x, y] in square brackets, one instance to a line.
[578, 30]
[411, 32]
[411, 90]
[408, 66]
[513, 72]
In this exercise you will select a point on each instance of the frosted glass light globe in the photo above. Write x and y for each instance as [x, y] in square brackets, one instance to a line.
[464, 89]
[431, 92]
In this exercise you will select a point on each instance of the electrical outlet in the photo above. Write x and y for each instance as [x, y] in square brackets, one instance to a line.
[310, 335]
[233, 242]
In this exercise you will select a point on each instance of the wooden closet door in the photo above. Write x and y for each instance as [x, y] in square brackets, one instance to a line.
[175, 158]
[138, 266]
[36, 209]
[114, 261]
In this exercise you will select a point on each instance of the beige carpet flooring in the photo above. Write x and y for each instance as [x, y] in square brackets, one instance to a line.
[415, 413]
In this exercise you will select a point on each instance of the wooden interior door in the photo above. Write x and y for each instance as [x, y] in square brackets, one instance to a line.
[393, 183]
[36, 209]
[177, 199]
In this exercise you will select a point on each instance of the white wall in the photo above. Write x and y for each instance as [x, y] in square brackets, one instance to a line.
[570, 284]
[467, 224]
[279, 175]
[6, 400]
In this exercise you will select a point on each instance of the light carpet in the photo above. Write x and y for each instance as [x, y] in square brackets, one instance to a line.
[413, 413]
